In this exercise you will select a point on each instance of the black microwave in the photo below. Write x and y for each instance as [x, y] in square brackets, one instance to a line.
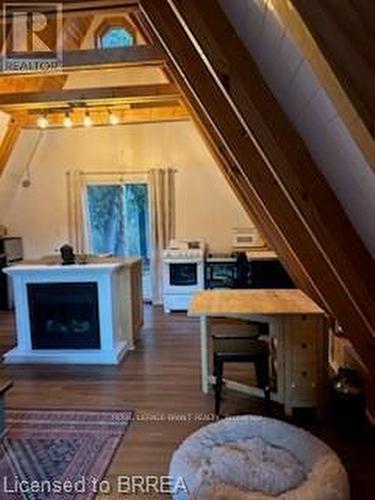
[11, 247]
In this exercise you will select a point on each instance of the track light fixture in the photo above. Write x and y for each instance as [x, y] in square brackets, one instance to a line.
[87, 121]
[112, 118]
[66, 117]
[42, 121]
[67, 122]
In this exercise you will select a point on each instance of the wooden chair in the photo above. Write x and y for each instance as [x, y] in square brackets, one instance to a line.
[240, 343]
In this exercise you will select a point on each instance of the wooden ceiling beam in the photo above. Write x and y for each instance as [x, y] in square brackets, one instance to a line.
[280, 177]
[232, 175]
[100, 116]
[98, 59]
[17, 84]
[92, 7]
[8, 142]
[100, 95]
[74, 5]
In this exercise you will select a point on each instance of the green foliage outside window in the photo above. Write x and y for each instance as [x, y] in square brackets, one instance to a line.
[118, 216]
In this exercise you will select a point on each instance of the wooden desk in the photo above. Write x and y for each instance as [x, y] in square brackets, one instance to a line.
[298, 339]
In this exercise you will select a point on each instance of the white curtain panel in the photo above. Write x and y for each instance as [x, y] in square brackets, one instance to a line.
[162, 197]
[76, 212]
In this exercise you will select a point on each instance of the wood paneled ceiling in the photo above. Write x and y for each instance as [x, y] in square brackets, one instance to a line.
[74, 32]
[127, 94]
[31, 91]
[19, 92]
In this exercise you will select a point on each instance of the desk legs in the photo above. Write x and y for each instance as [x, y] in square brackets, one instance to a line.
[204, 352]
[299, 344]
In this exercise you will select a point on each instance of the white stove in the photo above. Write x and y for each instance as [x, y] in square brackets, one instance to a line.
[183, 273]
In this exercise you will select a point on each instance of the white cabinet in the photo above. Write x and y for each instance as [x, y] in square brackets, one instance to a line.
[304, 374]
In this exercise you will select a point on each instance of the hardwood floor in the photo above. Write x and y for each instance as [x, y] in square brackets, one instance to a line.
[159, 380]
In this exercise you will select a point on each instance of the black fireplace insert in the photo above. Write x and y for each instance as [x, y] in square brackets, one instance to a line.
[64, 315]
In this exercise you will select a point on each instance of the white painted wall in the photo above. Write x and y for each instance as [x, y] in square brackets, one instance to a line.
[18, 164]
[306, 103]
[206, 206]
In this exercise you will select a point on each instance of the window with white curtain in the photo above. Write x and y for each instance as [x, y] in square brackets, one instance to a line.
[118, 221]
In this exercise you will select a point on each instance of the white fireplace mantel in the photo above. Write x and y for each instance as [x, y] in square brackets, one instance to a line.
[114, 325]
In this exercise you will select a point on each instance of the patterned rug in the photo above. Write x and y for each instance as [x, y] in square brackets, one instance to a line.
[58, 454]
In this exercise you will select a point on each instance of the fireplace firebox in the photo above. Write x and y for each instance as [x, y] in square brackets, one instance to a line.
[64, 315]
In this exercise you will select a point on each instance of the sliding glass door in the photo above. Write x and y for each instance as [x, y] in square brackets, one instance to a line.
[119, 223]
[106, 213]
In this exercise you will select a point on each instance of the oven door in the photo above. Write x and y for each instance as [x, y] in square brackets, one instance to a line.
[221, 274]
[183, 277]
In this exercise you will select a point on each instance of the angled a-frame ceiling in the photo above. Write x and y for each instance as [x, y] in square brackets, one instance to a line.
[264, 159]
[267, 163]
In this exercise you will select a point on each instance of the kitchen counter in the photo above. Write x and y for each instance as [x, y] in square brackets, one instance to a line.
[81, 260]
[258, 254]
[253, 254]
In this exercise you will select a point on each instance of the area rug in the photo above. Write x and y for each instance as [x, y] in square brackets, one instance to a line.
[55, 454]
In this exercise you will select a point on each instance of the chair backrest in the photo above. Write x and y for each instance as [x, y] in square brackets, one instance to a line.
[243, 271]
[236, 335]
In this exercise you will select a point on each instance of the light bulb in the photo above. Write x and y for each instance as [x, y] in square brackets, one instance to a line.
[87, 121]
[113, 119]
[67, 122]
[42, 121]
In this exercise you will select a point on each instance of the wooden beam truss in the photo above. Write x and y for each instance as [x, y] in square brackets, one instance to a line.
[148, 112]
[98, 59]
[7, 144]
[290, 199]
[101, 95]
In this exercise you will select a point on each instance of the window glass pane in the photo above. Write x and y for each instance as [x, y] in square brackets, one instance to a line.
[106, 213]
[136, 221]
[116, 37]
[118, 223]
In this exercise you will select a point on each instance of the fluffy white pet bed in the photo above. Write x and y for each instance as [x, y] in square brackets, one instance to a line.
[257, 458]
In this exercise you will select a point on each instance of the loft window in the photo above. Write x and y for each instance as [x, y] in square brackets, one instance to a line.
[116, 37]
[115, 32]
